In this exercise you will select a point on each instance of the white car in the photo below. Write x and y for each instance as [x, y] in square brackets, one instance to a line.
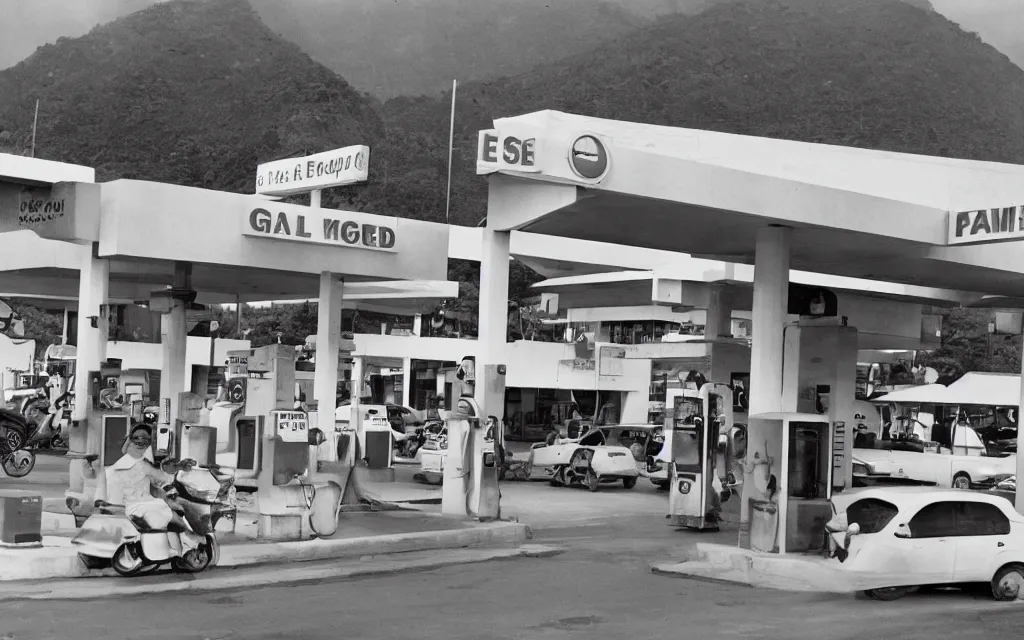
[588, 461]
[433, 456]
[942, 469]
[909, 537]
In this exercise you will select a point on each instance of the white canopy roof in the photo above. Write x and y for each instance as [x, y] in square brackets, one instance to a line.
[994, 389]
[922, 394]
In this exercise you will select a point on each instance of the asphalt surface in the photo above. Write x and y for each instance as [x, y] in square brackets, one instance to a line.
[601, 587]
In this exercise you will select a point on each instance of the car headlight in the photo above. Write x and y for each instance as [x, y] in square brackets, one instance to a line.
[861, 469]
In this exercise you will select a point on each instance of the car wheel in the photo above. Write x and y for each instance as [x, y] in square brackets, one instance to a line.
[558, 478]
[886, 594]
[1008, 583]
[961, 481]
[629, 483]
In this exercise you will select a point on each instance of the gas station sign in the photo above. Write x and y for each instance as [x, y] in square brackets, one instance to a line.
[67, 211]
[323, 226]
[986, 225]
[340, 167]
[506, 151]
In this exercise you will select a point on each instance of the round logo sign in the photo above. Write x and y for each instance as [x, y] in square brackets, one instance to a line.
[588, 158]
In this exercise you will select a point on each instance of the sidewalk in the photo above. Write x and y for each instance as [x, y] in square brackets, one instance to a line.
[359, 534]
[251, 578]
[789, 572]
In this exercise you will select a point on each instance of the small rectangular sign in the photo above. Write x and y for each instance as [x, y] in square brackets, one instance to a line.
[994, 224]
[512, 150]
[292, 426]
[337, 168]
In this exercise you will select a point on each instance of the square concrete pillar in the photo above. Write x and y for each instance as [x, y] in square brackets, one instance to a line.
[718, 323]
[771, 299]
[406, 381]
[328, 342]
[493, 324]
[173, 345]
[93, 288]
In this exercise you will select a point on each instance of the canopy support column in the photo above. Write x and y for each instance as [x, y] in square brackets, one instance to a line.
[328, 342]
[718, 323]
[771, 299]
[93, 288]
[173, 345]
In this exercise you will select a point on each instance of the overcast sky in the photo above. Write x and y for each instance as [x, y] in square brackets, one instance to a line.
[28, 24]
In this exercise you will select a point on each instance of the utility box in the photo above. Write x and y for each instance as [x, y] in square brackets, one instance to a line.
[21, 519]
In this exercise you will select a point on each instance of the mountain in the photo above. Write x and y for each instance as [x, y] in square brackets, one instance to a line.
[410, 47]
[30, 24]
[199, 92]
[878, 74]
[186, 92]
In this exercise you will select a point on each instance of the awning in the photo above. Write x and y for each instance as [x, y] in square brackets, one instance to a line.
[923, 394]
[993, 389]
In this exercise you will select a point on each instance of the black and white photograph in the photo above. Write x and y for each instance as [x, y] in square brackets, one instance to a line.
[511, 319]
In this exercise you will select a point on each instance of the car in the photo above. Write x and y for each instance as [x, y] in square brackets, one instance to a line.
[871, 466]
[589, 460]
[433, 456]
[403, 419]
[1002, 487]
[910, 537]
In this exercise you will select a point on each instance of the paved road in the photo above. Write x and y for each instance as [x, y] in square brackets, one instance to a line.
[601, 588]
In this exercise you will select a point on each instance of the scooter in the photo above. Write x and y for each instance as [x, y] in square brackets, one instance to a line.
[199, 497]
[15, 433]
[48, 421]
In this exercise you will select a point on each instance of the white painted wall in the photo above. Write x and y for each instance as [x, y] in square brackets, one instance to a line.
[144, 355]
[16, 355]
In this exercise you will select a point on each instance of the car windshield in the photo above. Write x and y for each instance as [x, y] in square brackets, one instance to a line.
[871, 514]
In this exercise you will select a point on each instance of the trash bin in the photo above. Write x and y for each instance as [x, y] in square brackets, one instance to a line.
[764, 526]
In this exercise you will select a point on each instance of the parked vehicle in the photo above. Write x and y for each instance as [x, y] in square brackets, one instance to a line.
[909, 537]
[15, 432]
[201, 497]
[434, 455]
[1004, 488]
[589, 461]
[51, 422]
[910, 464]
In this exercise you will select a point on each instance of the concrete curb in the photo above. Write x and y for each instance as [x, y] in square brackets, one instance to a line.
[502, 533]
[674, 571]
[731, 565]
[63, 561]
[388, 564]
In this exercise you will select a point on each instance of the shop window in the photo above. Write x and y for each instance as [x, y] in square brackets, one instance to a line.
[871, 514]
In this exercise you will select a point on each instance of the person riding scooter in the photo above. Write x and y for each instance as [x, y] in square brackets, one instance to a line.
[132, 479]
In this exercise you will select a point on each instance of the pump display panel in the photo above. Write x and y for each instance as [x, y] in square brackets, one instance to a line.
[292, 426]
[688, 434]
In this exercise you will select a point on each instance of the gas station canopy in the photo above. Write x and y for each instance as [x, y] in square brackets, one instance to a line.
[854, 212]
[241, 247]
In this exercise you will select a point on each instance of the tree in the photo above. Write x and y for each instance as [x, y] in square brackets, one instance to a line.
[45, 327]
[966, 345]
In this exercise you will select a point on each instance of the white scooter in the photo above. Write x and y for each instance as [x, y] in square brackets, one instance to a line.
[198, 496]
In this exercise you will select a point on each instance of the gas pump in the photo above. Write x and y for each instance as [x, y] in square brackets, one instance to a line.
[792, 516]
[471, 468]
[700, 422]
[227, 416]
[260, 383]
[112, 415]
